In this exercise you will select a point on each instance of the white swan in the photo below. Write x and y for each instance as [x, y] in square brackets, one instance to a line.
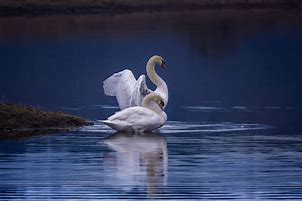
[140, 119]
[129, 91]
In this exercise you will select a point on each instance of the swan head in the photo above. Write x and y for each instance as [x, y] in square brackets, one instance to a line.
[158, 60]
[159, 101]
[153, 97]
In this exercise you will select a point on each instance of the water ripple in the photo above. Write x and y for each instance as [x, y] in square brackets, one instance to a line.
[183, 160]
[187, 127]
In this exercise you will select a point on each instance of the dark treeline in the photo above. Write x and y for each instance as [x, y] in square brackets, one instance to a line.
[38, 7]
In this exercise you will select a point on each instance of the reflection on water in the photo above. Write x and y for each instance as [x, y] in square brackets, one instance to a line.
[139, 161]
[198, 163]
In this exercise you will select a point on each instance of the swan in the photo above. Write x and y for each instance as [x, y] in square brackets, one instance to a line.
[129, 91]
[147, 117]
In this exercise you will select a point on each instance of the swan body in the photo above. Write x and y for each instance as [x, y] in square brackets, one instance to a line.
[148, 117]
[130, 92]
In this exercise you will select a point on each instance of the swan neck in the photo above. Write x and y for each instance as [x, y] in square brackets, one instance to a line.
[146, 100]
[154, 77]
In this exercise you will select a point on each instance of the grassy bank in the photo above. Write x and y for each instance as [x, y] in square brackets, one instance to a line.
[15, 7]
[18, 121]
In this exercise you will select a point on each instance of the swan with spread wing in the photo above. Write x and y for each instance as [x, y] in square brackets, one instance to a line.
[129, 91]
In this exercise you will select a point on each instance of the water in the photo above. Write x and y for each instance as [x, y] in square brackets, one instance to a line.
[184, 160]
[234, 113]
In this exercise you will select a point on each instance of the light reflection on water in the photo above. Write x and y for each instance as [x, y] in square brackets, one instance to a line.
[139, 162]
[95, 163]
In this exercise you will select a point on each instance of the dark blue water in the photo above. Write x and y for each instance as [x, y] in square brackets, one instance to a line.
[234, 113]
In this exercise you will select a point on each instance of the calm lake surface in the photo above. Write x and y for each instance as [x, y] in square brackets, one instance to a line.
[234, 127]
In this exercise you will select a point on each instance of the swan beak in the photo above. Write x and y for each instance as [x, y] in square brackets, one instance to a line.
[163, 64]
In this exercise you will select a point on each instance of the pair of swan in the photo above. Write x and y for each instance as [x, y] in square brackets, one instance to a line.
[141, 108]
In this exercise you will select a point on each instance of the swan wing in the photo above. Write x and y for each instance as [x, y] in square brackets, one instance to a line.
[120, 85]
[140, 91]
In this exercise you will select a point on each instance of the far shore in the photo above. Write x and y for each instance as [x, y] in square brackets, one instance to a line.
[49, 7]
[22, 121]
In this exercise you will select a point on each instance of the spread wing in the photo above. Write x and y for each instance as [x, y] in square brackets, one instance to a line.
[120, 85]
[140, 91]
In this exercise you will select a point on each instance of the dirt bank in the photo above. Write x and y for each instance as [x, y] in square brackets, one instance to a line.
[18, 121]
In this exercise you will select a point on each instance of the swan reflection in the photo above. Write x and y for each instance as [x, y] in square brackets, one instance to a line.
[139, 162]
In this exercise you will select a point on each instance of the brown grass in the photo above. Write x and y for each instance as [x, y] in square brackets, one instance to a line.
[13, 117]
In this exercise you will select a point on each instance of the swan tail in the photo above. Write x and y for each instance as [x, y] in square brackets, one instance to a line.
[107, 122]
[110, 124]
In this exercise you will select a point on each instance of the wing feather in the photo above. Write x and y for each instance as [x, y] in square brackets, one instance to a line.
[140, 91]
[121, 85]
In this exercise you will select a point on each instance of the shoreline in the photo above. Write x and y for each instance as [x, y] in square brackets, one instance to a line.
[40, 9]
[23, 121]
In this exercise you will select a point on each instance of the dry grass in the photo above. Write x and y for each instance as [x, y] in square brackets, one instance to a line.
[14, 117]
